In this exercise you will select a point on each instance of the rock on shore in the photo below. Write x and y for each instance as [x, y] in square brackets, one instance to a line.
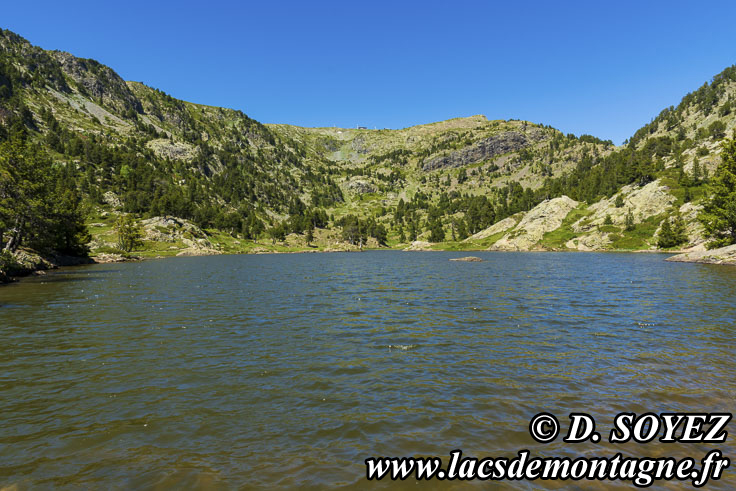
[26, 262]
[724, 255]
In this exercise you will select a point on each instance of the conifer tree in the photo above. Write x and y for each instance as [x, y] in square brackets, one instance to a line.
[719, 210]
[629, 221]
[129, 233]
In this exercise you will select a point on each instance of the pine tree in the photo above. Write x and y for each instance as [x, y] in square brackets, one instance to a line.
[436, 232]
[696, 171]
[462, 230]
[40, 206]
[413, 232]
[310, 234]
[629, 221]
[672, 233]
[719, 210]
[679, 230]
[129, 233]
[666, 237]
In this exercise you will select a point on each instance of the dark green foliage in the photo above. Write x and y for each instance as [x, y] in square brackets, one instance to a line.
[629, 221]
[462, 231]
[356, 230]
[719, 211]
[725, 109]
[353, 230]
[717, 129]
[247, 166]
[40, 206]
[592, 139]
[240, 173]
[277, 232]
[672, 233]
[129, 233]
[704, 99]
[309, 236]
[436, 232]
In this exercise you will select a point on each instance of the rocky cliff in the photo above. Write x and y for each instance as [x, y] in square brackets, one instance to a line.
[488, 148]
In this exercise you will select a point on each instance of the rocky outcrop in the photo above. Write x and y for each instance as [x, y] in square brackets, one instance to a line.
[643, 202]
[467, 259]
[419, 245]
[172, 229]
[545, 217]
[724, 255]
[194, 251]
[595, 240]
[24, 262]
[693, 227]
[498, 227]
[99, 81]
[168, 149]
[360, 145]
[361, 186]
[112, 199]
[508, 141]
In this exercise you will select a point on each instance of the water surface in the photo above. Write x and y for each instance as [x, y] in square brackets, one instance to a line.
[290, 370]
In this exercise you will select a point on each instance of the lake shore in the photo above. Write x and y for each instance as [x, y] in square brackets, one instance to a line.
[722, 256]
[33, 264]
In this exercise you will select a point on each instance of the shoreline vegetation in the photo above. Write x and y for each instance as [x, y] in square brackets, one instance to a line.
[93, 166]
[30, 263]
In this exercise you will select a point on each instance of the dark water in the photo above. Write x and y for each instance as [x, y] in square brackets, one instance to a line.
[289, 370]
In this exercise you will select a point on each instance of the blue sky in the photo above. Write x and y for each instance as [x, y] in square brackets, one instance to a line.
[583, 67]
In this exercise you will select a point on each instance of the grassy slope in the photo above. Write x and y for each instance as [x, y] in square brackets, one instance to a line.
[347, 154]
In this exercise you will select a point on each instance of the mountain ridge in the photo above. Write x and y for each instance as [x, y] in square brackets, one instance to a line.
[127, 148]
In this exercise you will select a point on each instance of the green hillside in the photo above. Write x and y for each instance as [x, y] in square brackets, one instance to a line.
[80, 147]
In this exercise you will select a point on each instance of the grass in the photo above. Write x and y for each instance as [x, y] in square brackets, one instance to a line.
[639, 237]
[557, 239]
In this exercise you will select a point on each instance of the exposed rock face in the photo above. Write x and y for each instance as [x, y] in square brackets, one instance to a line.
[723, 255]
[594, 240]
[494, 229]
[168, 149]
[99, 81]
[508, 141]
[543, 218]
[112, 199]
[171, 229]
[361, 186]
[360, 146]
[644, 202]
[694, 229]
[419, 245]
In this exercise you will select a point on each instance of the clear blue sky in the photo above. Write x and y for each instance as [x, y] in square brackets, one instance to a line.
[583, 67]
